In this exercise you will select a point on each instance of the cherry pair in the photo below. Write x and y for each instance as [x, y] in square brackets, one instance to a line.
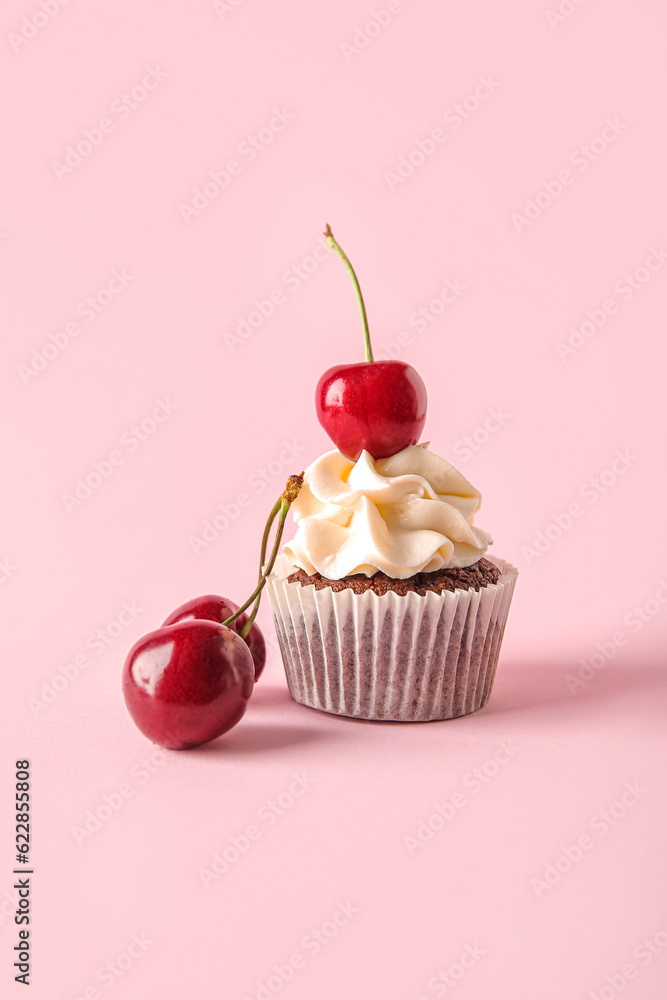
[190, 681]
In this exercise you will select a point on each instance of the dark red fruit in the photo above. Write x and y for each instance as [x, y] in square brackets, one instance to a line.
[218, 609]
[188, 683]
[376, 406]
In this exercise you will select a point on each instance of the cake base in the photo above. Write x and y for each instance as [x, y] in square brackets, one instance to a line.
[407, 658]
[479, 574]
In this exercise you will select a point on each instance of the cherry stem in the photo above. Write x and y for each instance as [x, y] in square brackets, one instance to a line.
[265, 541]
[267, 531]
[331, 241]
[256, 595]
[279, 509]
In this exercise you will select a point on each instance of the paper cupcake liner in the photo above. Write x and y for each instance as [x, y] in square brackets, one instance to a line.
[407, 658]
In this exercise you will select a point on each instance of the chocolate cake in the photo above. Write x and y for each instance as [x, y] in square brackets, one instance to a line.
[474, 577]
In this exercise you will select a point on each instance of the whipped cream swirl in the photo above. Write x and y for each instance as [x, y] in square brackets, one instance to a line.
[402, 515]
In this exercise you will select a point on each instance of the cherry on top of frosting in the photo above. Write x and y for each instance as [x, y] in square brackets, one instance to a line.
[373, 406]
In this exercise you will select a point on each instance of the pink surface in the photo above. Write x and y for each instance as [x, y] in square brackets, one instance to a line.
[501, 166]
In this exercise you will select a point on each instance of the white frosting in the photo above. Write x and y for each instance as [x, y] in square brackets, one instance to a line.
[402, 515]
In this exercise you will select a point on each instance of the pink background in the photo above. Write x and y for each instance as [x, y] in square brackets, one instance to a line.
[167, 333]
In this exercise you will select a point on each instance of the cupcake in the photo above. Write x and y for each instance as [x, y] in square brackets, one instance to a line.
[385, 603]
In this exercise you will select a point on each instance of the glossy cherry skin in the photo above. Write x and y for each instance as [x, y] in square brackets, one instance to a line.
[219, 609]
[376, 406]
[188, 683]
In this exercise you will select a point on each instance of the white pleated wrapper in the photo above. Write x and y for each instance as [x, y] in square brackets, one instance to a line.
[407, 658]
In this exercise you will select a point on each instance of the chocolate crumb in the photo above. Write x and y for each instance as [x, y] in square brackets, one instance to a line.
[480, 574]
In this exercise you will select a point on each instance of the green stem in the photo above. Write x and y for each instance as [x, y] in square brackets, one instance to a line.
[265, 541]
[267, 532]
[248, 625]
[281, 508]
[284, 508]
[331, 241]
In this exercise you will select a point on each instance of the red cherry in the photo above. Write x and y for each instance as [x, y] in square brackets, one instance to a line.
[188, 683]
[376, 406]
[218, 609]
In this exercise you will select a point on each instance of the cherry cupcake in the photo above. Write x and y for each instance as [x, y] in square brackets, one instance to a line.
[385, 603]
